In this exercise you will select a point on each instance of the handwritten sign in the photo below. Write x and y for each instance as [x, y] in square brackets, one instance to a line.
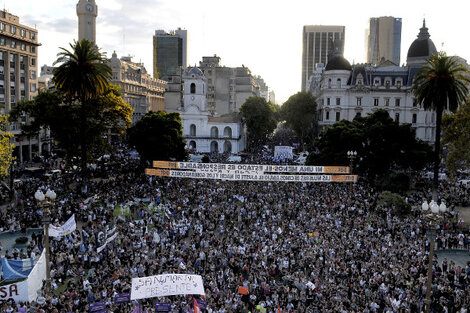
[166, 285]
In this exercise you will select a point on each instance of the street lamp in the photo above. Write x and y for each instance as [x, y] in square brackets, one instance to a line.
[352, 154]
[431, 213]
[46, 204]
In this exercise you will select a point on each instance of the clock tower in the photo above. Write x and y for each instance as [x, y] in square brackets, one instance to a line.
[87, 11]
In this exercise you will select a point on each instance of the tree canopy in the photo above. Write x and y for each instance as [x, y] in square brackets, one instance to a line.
[259, 118]
[55, 111]
[83, 75]
[456, 139]
[159, 136]
[381, 144]
[6, 147]
[299, 112]
[440, 85]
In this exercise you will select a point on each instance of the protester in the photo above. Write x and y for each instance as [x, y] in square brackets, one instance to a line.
[302, 247]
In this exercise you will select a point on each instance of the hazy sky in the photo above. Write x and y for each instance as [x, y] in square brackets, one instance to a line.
[263, 35]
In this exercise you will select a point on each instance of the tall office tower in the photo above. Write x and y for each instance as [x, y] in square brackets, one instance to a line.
[169, 52]
[18, 75]
[384, 40]
[317, 43]
[87, 11]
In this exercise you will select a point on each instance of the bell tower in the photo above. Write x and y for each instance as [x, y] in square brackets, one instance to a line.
[87, 11]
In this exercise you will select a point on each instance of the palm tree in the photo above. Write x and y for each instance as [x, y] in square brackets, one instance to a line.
[83, 74]
[440, 85]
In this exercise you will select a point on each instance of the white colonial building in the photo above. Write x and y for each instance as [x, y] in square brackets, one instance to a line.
[344, 91]
[205, 133]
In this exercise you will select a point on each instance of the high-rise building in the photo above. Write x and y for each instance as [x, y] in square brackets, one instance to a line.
[143, 92]
[87, 11]
[317, 42]
[169, 52]
[384, 40]
[18, 75]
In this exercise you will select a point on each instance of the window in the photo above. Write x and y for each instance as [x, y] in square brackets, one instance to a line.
[415, 102]
[23, 47]
[33, 87]
[398, 83]
[327, 116]
[359, 82]
[359, 101]
[2, 26]
[414, 118]
[397, 102]
[329, 83]
[33, 61]
[228, 132]
[387, 84]
[13, 29]
[227, 147]
[192, 130]
[33, 74]
[338, 83]
[327, 101]
[376, 82]
[387, 102]
[358, 114]
[13, 44]
[32, 35]
[2, 42]
[214, 132]
[338, 101]
[23, 33]
[337, 116]
[397, 117]
[193, 88]
[376, 102]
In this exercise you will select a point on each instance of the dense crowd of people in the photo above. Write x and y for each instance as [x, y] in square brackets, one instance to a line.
[316, 247]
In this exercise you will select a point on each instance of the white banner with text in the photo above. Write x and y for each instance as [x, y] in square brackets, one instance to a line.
[166, 285]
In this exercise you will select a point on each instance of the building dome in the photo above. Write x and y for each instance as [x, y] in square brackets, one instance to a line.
[338, 62]
[195, 71]
[422, 46]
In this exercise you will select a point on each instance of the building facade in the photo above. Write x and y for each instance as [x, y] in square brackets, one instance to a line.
[346, 91]
[139, 89]
[169, 52]
[205, 133]
[384, 40]
[317, 42]
[87, 11]
[18, 76]
[227, 87]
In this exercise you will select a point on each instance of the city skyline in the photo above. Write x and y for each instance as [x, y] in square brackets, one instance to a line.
[263, 36]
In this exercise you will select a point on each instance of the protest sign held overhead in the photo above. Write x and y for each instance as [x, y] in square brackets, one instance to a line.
[166, 285]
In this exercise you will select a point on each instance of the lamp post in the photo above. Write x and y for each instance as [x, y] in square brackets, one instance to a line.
[352, 154]
[46, 204]
[431, 214]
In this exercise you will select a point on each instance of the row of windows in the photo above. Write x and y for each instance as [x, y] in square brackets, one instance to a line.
[214, 146]
[358, 114]
[376, 101]
[214, 131]
[14, 30]
[17, 45]
[377, 82]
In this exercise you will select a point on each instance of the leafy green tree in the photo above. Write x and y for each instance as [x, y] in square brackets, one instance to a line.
[54, 111]
[6, 147]
[83, 75]
[392, 201]
[259, 118]
[456, 138]
[299, 112]
[381, 145]
[440, 85]
[159, 136]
